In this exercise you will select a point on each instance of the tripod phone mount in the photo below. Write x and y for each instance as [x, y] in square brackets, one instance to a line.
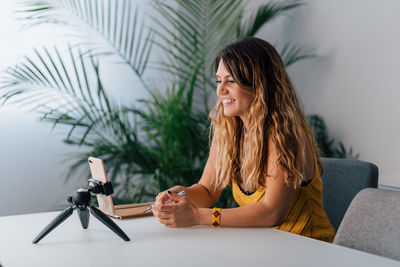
[80, 201]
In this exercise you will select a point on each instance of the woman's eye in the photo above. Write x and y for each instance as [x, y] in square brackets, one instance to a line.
[230, 81]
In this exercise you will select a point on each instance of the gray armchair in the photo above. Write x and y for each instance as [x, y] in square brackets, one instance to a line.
[342, 180]
[372, 223]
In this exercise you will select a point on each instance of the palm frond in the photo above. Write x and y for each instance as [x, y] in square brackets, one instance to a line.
[75, 98]
[292, 53]
[266, 13]
[116, 22]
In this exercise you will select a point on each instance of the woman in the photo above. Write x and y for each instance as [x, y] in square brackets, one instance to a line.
[261, 146]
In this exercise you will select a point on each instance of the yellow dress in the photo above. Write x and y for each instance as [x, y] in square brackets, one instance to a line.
[306, 214]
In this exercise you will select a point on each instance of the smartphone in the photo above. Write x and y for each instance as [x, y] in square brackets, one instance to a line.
[98, 171]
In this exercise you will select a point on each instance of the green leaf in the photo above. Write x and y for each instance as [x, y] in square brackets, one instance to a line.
[265, 14]
[292, 53]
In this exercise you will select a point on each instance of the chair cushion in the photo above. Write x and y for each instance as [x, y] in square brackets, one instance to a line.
[372, 223]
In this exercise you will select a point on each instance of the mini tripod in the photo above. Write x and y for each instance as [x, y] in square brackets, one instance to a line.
[81, 201]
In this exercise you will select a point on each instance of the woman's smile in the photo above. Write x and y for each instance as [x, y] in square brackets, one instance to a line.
[227, 101]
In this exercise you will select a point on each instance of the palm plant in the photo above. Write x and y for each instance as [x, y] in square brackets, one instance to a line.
[155, 143]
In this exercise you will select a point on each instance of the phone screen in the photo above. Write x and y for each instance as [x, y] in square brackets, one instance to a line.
[98, 171]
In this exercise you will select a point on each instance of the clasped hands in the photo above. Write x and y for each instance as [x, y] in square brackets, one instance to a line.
[179, 212]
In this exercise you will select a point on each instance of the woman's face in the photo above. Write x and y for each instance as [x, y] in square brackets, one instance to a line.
[236, 101]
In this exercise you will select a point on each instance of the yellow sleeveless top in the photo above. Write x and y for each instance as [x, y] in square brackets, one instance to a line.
[306, 214]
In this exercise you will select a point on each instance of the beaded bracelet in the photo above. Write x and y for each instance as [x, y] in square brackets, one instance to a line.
[216, 217]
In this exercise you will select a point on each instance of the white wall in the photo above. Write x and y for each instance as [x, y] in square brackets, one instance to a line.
[354, 83]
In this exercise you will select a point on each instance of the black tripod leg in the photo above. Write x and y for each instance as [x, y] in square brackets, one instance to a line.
[57, 220]
[109, 223]
[84, 216]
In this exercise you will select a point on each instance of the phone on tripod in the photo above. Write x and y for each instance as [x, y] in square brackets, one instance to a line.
[98, 171]
[106, 204]
[81, 199]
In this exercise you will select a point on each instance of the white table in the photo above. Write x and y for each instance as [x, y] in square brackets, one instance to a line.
[155, 245]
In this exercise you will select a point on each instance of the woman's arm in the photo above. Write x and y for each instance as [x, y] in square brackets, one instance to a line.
[270, 212]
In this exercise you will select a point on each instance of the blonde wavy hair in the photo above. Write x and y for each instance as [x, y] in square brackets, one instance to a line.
[275, 114]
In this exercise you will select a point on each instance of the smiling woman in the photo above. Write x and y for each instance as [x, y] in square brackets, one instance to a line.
[261, 146]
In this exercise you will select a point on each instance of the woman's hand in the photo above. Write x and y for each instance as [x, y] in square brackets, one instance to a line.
[177, 213]
[163, 196]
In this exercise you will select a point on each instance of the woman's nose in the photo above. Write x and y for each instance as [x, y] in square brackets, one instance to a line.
[222, 88]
